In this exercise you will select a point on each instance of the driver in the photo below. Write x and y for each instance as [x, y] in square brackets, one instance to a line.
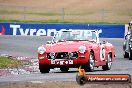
[65, 36]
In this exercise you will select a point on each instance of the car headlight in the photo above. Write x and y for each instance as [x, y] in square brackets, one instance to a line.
[41, 50]
[70, 54]
[52, 55]
[82, 49]
[73, 55]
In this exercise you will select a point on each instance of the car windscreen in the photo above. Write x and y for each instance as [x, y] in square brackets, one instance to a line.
[75, 35]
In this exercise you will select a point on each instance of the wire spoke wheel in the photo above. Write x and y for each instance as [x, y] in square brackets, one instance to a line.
[90, 65]
[91, 61]
[108, 63]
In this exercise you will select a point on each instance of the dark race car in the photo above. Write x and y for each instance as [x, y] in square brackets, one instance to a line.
[127, 47]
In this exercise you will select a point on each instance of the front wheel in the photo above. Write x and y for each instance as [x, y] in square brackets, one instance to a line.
[44, 68]
[90, 65]
[126, 55]
[108, 63]
[130, 54]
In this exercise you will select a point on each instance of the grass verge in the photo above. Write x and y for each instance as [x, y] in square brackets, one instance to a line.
[6, 62]
[60, 21]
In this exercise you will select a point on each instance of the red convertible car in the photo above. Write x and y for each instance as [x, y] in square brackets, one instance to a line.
[70, 49]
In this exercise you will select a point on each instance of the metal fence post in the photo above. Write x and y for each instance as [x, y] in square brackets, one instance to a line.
[102, 12]
[63, 14]
[24, 17]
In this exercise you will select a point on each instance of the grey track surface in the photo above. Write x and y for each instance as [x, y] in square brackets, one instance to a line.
[27, 46]
[21, 45]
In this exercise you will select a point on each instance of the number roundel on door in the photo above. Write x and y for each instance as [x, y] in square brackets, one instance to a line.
[102, 53]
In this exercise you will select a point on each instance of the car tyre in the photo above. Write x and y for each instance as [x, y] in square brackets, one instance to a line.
[64, 69]
[130, 55]
[89, 67]
[126, 55]
[108, 63]
[44, 68]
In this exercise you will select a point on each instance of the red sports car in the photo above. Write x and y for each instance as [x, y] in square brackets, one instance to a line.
[72, 48]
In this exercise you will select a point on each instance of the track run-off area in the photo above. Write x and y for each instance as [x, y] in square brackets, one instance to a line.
[26, 46]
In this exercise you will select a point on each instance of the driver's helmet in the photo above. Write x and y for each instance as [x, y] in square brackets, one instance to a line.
[130, 26]
[130, 23]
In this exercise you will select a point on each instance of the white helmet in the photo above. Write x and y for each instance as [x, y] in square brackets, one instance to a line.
[130, 23]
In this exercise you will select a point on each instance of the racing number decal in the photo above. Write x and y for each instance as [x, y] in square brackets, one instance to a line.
[102, 53]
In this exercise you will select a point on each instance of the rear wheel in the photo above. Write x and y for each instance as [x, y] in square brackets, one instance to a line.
[90, 65]
[64, 69]
[108, 63]
[44, 68]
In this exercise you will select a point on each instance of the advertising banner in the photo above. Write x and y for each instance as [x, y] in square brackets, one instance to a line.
[35, 29]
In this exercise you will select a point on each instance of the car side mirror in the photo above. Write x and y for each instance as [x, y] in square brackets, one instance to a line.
[49, 42]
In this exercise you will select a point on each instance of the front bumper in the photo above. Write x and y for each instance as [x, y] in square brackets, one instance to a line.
[81, 59]
[64, 62]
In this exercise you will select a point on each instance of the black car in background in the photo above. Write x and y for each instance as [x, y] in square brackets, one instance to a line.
[127, 47]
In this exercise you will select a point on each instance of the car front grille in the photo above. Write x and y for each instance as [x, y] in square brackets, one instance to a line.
[62, 55]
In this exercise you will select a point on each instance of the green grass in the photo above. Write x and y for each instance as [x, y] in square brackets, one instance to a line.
[44, 14]
[60, 21]
[10, 12]
[22, 17]
[9, 63]
[125, 14]
[6, 12]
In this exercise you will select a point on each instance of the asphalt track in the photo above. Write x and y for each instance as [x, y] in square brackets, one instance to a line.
[27, 46]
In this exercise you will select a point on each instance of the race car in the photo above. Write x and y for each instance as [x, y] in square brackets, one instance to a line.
[72, 48]
[127, 46]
